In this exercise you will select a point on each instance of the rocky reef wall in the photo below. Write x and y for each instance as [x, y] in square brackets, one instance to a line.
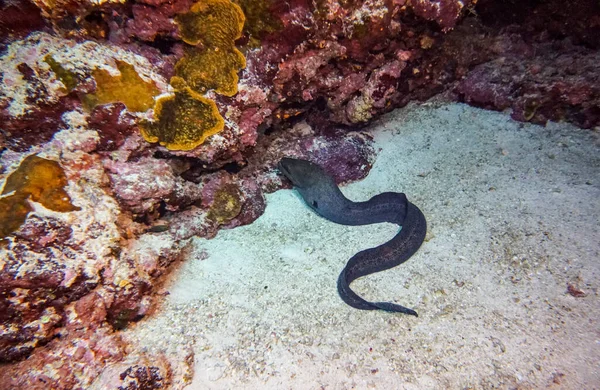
[127, 127]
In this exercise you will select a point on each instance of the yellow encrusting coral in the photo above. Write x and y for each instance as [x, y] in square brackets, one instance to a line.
[212, 26]
[227, 204]
[213, 68]
[215, 23]
[36, 179]
[128, 88]
[185, 120]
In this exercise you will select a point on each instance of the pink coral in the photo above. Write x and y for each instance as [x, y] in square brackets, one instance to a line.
[141, 186]
[315, 72]
[445, 12]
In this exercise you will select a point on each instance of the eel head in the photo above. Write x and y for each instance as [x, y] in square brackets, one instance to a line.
[303, 174]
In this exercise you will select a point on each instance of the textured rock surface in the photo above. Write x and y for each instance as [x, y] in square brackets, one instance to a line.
[18, 18]
[315, 73]
[542, 62]
[563, 86]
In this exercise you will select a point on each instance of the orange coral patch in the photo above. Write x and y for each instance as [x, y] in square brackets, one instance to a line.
[39, 180]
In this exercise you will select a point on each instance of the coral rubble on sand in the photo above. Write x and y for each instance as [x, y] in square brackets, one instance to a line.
[129, 127]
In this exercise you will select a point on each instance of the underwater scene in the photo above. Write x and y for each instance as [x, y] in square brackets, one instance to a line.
[300, 194]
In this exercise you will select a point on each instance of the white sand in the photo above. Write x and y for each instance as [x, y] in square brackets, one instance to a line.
[513, 215]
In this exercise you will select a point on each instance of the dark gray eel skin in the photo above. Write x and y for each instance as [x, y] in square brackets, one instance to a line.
[321, 194]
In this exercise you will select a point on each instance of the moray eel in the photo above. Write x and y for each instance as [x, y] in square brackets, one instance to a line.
[321, 194]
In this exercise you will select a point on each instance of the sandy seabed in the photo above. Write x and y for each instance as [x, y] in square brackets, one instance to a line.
[513, 214]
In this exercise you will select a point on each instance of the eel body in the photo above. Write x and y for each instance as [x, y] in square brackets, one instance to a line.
[321, 193]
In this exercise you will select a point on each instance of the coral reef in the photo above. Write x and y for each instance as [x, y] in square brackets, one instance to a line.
[130, 127]
[79, 357]
[45, 76]
[56, 258]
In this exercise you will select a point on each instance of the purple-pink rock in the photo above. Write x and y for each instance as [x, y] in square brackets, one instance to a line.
[316, 73]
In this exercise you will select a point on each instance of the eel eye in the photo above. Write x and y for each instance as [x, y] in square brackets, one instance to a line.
[315, 204]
